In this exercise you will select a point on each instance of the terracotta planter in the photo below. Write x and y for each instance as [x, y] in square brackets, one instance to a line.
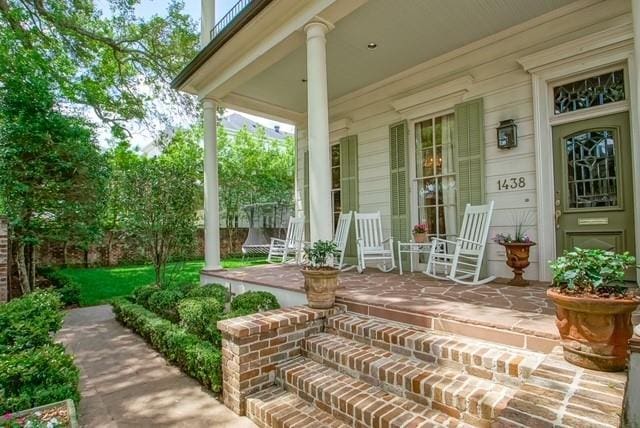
[518, 260]
[420, 237]
[595, 331]
[320, 286]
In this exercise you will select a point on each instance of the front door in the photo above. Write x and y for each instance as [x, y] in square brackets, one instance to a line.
[593, 184]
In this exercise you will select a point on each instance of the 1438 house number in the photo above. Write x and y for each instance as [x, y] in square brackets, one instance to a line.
[512, 183]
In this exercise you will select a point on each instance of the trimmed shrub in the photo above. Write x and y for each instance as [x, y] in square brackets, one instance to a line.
[200, 315]
[29, 321]
[164, 302]
[141, 294]
[69, 289]
[254, 301]
[36, 377]
[196, 357]
[217, 291]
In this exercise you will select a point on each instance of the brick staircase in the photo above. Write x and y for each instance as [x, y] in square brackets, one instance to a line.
[362, 371]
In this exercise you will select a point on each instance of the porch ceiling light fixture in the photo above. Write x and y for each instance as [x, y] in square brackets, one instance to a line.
[372, 46]
[507, 134]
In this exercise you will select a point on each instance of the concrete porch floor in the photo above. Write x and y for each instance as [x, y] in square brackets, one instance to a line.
[517, 316]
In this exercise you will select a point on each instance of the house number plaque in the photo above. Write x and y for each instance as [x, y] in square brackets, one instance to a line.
[512, 183]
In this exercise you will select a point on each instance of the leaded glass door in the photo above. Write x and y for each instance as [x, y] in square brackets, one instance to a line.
[593, 184]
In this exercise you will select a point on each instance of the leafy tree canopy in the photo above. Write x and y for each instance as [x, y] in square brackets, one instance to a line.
[116, 63]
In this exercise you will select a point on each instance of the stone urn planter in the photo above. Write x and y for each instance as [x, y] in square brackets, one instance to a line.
[320, 277]
[320, 286]
[595, 331]
[518, 259]
[593, 307]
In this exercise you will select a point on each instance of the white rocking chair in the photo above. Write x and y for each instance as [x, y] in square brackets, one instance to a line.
[341, 238]
[371, 244]
[292, 244]
[468, 249]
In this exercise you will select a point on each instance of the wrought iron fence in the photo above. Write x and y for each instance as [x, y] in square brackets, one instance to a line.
[229, 17]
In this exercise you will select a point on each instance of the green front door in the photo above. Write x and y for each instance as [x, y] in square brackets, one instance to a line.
[593, 184]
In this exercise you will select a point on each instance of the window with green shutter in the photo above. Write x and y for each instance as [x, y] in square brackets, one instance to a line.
[305, 196]
[398, 157]
[349, 187]
[469, 119]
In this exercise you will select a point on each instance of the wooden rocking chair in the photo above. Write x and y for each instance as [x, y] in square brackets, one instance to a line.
[371, 244]
[465, 259]
[341, 238]
[292, 244]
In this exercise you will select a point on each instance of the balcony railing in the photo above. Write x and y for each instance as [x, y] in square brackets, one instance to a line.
[229, 17]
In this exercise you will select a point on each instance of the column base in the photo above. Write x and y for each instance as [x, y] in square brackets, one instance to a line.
[212, 268]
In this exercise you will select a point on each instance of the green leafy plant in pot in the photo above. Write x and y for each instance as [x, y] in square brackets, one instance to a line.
[320, 277]
[594, 307]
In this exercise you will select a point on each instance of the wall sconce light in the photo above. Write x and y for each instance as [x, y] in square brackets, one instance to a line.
[507, 134]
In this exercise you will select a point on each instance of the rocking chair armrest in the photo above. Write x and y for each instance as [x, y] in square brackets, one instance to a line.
[274, 240]
[469, 241]
[389, 239]
[437, 240]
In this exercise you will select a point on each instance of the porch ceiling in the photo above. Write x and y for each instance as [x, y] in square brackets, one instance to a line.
[406, 32]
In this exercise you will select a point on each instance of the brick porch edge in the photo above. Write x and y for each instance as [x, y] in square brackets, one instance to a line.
[252, 346]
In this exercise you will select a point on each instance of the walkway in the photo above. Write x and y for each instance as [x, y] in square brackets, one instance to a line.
[125, 383]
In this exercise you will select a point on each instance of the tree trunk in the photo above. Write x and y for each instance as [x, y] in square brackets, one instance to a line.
[23, 273]
[109, 240]
[86, 258]
[65, 247]
[31, 263]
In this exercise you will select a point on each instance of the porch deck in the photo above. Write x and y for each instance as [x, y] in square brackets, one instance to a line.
[516, 316]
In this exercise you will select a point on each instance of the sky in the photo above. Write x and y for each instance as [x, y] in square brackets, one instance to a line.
[148, 8]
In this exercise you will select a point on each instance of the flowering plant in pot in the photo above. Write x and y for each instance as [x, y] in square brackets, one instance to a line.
[320, 277]
[420, 232]
[594, 307]
[517, 249]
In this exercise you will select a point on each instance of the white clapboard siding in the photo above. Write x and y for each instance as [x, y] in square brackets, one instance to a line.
[507, 94]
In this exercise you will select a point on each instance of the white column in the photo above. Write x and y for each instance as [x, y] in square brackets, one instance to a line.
[318, 133]
[634, 77]
[207, 20]
[211, 208]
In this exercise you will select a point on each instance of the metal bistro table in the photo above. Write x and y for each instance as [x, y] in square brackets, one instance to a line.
[412, 248]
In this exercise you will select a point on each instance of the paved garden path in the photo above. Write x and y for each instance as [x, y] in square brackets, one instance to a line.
[125, 383]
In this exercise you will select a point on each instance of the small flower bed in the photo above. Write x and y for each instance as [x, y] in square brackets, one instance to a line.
[56, 415]
[34, 371]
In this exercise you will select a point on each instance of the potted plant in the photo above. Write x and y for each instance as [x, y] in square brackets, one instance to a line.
[420, 232]
[517, 249]
[320, 277]
[593, 307]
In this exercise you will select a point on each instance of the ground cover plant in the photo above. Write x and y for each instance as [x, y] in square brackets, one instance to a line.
[34, 371]
[99, 285]
[180, 321]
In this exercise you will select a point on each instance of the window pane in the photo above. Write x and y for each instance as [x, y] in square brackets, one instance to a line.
[335, 155]
[591, 169]
[593, 91]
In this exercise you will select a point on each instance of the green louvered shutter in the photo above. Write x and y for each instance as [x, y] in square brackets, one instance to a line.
[349, 187]
[470, 154]
[399, 162]
[305, 197]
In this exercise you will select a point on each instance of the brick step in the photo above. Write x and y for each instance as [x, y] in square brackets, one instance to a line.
[475, 357]
[355, 402]
[275, 407]
[466, 397]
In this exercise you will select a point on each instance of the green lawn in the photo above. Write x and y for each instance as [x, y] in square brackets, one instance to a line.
[97, 285]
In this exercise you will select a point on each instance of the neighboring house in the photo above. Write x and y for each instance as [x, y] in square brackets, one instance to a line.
[397, 106]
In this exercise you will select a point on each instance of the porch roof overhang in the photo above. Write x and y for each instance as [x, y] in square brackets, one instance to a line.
[261, 68]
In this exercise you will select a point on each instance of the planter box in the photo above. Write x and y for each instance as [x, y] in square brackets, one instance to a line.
[66, 407]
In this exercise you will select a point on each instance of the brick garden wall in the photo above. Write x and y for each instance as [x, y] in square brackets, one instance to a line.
[4, 260]
[125, 251]
[252, 346]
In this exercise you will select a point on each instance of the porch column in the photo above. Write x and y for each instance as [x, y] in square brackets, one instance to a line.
[211, 209]
[318, 134]
[207, 20]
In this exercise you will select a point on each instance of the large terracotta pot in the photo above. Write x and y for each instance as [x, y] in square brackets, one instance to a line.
[518, 260]
[320, 286]
[595, 331]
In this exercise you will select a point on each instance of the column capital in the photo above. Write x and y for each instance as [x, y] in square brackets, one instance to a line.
[317, 27]
[208, 103]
